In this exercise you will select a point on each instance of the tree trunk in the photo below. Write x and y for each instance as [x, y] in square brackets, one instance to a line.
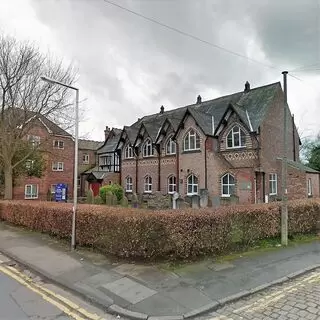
[8, 183]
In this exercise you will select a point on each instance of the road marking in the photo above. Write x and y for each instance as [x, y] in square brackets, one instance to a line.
[64, 304]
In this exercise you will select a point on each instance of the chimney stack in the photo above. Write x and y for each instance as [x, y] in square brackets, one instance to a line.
[199, 99]
[247, 87]
[106, 133]
[161, 109]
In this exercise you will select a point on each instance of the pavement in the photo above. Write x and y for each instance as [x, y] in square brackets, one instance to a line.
[153, 291]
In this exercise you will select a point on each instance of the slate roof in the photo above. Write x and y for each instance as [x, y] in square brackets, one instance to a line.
[300, 166]
[251, 107]
[111, 144]
[90, 144]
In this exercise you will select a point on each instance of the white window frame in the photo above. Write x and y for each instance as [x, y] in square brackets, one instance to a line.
[58, 144]
[171, 147]
[57, 166]
[34, 140]
[128, 152]
[229, 184]
[192, 181]
[85, 158]
[309, 187]
[240, 133]
[31, 195]
[147, 184]
[194, 136]
[172, 184]
[273, 184]
[148, 149]
[29, 164]
[129, 184]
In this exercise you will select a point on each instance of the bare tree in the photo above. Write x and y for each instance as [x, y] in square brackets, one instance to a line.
[24, 98]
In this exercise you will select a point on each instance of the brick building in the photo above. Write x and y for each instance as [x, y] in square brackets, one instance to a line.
[57, 147]
[88, 160]
[107, 167]
[230, 147]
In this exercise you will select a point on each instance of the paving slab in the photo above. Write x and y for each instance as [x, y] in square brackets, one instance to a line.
[190, 298]
[159, 305]
[129, 290]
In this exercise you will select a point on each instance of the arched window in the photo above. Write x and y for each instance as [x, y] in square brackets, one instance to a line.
[128, 152]
[148, 149]
[192, 186]
[172, 184]
[170, 146]
[128, 184]
[227, 185]
[191, 141]
[148, 184]
[236, 138]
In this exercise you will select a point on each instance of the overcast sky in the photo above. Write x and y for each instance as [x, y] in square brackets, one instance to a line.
[129, 67]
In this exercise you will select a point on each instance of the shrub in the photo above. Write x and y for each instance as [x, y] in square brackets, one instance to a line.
[114, 188]
[168, 234]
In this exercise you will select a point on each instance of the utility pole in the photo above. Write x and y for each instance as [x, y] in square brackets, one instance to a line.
[284, 205]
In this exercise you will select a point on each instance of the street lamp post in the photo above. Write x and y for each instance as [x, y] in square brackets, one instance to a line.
[75, 174]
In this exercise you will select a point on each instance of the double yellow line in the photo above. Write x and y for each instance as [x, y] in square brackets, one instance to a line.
[64, 304]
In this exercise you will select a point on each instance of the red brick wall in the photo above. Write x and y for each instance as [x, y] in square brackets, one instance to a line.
[191, 162]
[271, 137]
[51, 154]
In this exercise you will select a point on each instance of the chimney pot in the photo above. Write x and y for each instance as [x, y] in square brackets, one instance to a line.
[247, 87]
[106, 133]
[161, 109]
[199, 99]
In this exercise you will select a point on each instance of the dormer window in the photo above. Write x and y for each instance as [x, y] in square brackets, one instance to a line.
[148, 149]
[170, 146]
[236, 138]
[191, 141]
[128, 154]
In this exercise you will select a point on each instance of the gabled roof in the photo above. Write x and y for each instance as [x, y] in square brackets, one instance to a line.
[90, 144]
[251, 106]
[23, 116]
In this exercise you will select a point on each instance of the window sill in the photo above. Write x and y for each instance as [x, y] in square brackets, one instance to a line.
[170, 154]
[147, 192]
[192, 194]
[128, 191]
[236, 148]
[273, 194]
[146, 157]
[33, 198]
[191, 151]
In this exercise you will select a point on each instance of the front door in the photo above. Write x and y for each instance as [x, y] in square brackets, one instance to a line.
[95, 186]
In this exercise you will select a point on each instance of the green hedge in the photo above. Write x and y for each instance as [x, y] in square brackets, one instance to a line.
[170, 234]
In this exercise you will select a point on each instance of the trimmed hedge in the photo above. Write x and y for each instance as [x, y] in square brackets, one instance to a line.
[169, 234]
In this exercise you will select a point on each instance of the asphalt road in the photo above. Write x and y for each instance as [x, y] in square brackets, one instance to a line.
[294, 300]
[20, 303]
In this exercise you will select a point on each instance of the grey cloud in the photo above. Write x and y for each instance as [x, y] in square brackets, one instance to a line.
[102, 39]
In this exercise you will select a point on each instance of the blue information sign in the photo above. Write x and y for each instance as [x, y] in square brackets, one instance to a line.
[61, 192]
